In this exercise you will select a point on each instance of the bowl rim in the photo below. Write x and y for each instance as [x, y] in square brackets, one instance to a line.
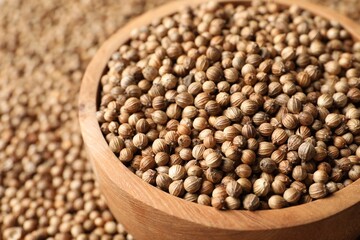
[158, 200]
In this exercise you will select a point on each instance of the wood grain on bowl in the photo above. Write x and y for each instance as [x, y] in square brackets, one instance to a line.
[148, 212]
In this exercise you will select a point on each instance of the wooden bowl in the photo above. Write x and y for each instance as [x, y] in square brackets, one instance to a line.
[149, 213]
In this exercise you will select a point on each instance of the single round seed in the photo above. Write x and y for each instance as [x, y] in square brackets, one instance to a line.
[306, 151]
[176, 188]
[249, 107]
[261, 187]
[232, 203]
[267, 165]
[277, 202]
[192, 184]
[214, 159]
[292, 195]
[265, 149]
[278, 187]
[184, 99]
[317, 190]
[177, 172]
[251, 202]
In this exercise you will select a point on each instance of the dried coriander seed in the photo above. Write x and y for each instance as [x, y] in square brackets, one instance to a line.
[306, 151]
[320, 176]
[163, 181]
[140, 140]
[192, 184]
[267, 165]
[276, 202]
[233, 189]
[261, 187]
[204, 199]
[249, 107]
[218, 203]
[279, 136]
[232, 203]
[177, 172]
[292, 195]
[289, 121]
[299, 173]
[333, 120]
[214, 159]
[278, 187]
[317, 190]
[265, 149]
[176, 188]
[251, 202]
[294, 142]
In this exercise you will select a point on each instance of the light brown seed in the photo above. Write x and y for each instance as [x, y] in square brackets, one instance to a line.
[176, 188]
[177, 172]
[192, 184]
[251, 202]
[261, 187]
[306, 151]
[317, 190]
[333, 120]
[265, 149]
[213, 159]
[249, 107]
[279, 136]
[292, 195]
[277, 202]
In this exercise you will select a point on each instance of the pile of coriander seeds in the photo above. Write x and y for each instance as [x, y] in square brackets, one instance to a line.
[47, 187]
[237, 107]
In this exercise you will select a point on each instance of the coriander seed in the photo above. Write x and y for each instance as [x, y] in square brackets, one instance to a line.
[251, 202]
[276, 202]
[261, 187]
[292, 195]
[317, 190]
